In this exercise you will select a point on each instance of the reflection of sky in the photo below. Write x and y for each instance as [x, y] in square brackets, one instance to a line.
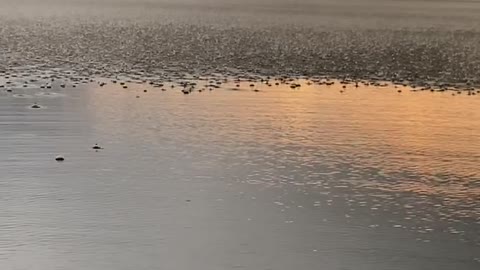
[421, 142]
[309, 157]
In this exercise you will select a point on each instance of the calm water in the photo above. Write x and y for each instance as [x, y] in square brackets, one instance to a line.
[315, 178]
[235, 179]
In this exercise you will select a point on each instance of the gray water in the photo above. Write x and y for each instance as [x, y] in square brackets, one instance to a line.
[278, 179]
[422, 42]
[320, 177]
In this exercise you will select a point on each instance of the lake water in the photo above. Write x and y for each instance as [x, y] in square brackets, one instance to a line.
[235, 179]
[417, 41]
[316, 177]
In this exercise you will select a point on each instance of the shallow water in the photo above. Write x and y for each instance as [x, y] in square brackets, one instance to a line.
[235, 179]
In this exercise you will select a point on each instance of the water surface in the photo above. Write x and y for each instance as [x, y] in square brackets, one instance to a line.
[234, 179]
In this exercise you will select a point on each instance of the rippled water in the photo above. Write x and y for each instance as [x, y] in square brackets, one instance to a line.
[314, 177]
[432, 42]
[231, 178]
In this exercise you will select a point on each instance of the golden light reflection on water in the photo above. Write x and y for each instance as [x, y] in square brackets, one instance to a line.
[422, 142]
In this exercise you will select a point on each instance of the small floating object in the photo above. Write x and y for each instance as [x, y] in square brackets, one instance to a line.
[9, 90]
[138, 97]
[97, 147]
[185, 91]
[256, 90]
[59, 158]
[145, 91]
[399, 91]
[35, 106]
[125, 87]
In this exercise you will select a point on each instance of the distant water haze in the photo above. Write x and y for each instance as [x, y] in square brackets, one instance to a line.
[328, 13]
